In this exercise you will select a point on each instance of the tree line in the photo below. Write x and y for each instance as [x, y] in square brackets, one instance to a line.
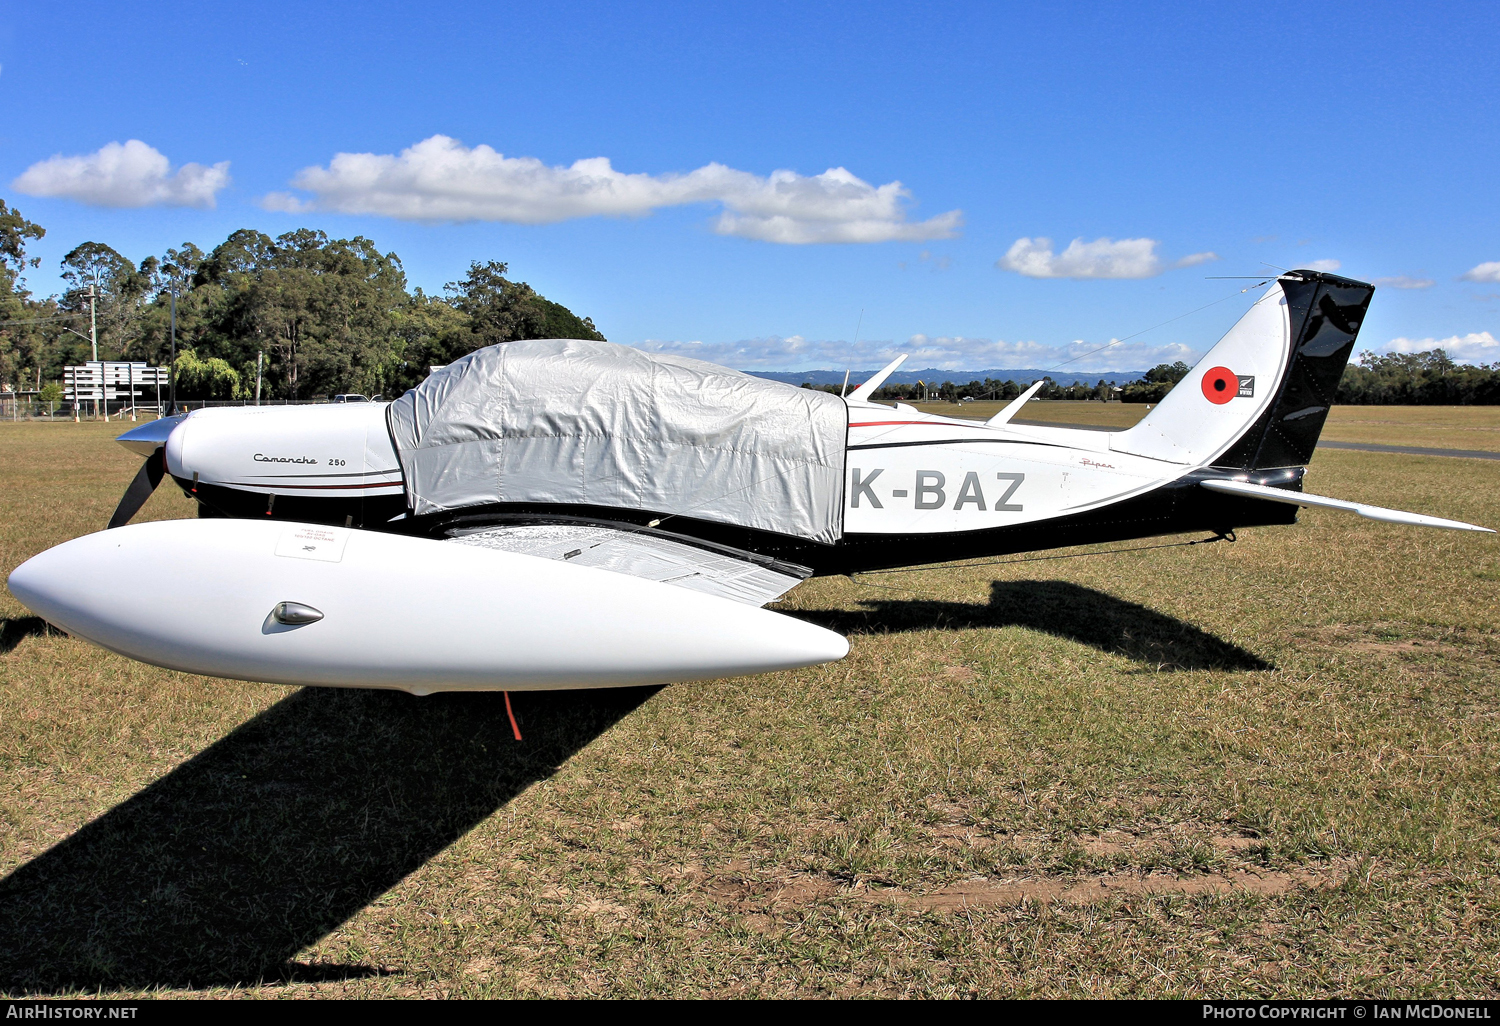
[989, 388]
[1429, 378]
[329, 315]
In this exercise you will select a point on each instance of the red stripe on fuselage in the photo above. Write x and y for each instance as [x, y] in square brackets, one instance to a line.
[260, 487]
[926, 423]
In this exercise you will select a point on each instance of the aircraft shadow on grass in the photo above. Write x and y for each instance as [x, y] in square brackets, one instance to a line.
[222, 870]
[14, 630]
[1059, 608]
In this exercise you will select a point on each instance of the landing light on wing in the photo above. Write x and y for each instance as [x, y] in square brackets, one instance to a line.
[1390, 516]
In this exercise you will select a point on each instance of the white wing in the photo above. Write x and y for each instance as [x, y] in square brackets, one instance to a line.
[648, 556]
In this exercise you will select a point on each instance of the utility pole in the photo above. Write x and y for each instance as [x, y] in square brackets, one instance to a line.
[260, 359]
[93, 325]
[94, 345]
[172, 367]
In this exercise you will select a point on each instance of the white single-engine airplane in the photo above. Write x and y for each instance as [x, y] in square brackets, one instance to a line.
[570, 514]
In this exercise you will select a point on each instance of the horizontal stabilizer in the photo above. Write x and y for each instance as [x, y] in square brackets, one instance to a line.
[1014, 406]
[863, 392]
[1390, 516]
[650, 557]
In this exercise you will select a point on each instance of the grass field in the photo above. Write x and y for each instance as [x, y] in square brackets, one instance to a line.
[1052, 411]
[1443, 427]
[1261, 768]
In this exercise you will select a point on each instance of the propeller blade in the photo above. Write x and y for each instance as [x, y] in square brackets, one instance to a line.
[140, 489]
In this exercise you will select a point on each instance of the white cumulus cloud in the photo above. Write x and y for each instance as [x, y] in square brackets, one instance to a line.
[1402, 281]
[284, 203]
[441, 179]
[129, 174]
[1488, 272]
[1475, 347]
[1102, 258]
[1194, 259]
[1324, 265]
[958, 353]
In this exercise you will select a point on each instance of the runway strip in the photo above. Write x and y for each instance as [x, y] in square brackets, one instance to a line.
[1401, 450]
[1413, 450]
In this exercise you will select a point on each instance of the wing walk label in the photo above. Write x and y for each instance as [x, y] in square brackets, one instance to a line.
[301, 541]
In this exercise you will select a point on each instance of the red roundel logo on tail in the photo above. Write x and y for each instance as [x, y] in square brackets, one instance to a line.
[1221, 385]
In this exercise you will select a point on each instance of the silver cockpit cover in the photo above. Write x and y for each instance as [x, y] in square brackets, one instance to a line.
[581, 422]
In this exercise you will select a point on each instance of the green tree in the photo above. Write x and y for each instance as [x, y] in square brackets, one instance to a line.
[206, 379]
[424, 327]
[1425, 378]
[500, 310]
[331, 315]
[323, 311]
[15, 232]
[119, 294]
[1153, 386]
[1167, 373]
[25, 325]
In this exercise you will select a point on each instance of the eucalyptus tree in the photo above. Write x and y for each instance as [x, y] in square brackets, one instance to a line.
[24, 324]
[500, 310]
[330, 315]
[97, 274]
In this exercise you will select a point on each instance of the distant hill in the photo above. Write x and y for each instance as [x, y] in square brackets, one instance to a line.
[933, 376]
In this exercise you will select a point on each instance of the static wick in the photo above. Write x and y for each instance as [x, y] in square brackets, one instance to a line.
[514, 729]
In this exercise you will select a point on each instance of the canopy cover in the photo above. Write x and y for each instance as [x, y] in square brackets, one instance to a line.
[583, 422]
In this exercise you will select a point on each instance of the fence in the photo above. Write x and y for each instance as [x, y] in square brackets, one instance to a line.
[24, 406]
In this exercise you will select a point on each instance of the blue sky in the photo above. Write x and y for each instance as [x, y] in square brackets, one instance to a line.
[1286, 133]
